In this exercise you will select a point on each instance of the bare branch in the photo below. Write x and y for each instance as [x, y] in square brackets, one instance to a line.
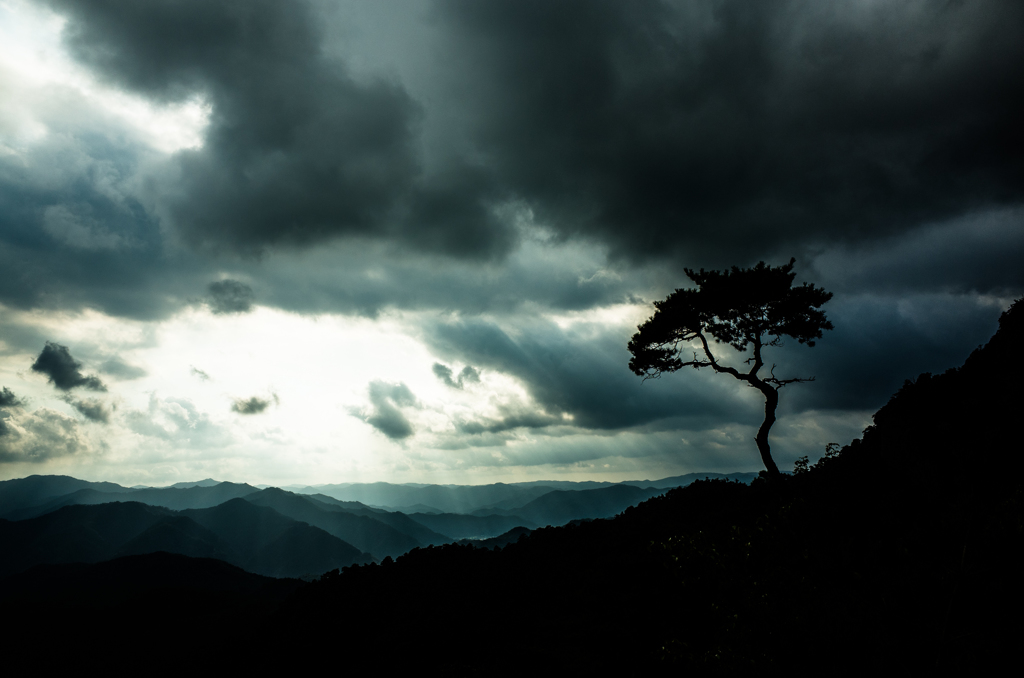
[779, 383]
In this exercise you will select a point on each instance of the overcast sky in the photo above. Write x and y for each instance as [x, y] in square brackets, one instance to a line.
[310, 242]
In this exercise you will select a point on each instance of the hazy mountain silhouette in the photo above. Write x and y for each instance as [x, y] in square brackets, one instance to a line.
[462, 526]
[445, 498]
[484, 500]
[364, 532]
[396, 519]
[34, 490]
[560, 506]
[505, 539]
[252, 537]
[208, 482]
[194, 497]
[26, 505]
[179, 535]
[86, 534]
[265, 542]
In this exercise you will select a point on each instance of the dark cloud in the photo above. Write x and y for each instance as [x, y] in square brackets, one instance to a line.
[978, 252]
[510, 417]
[296, 151]
[64, 372]
[724, 132]
[119, 369]
[73, 228]
[704, 135]
[8, 399]
[468, 375]
[91, 408]
[230, 296]
[579, 377]
[878, 343]
[196, 372]
[444, 373]
[253, 405]
[386, 415]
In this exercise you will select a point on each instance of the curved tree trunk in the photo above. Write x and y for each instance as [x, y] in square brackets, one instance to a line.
[771, 402]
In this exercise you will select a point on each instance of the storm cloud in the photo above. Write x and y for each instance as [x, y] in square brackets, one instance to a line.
[385, 415]
[253, 405]
[297, 151]
[468, 375]
[9, 399]
[681, 134]
[64, 372]
[92, 409]
[723, 131]
[230, 296]
[577, 376]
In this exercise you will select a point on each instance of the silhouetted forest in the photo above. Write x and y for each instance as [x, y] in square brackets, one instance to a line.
[900, 551]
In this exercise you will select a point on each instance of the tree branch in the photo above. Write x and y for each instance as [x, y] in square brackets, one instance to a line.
[714, 364]
[779, 383]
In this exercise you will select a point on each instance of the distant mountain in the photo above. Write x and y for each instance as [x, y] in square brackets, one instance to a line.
[265, 542]
[364, 532]
[23, 492]
[686, 479]
[209, 482]
[72, 534]
[408, 510]
[196, 496]
[255, 538]
[481, 500]
[510, 537]
[396, 519]
[462, 526]
[561, 506]
[446, 498]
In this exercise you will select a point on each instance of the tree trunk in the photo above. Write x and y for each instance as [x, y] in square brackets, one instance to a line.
[771, 401]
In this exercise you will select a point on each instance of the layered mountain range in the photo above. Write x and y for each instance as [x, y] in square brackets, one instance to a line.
[281, 533]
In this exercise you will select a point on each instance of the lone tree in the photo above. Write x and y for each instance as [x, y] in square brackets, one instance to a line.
[745, 308]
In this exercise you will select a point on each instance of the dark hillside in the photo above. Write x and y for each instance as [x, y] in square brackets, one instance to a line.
[162, 607]
[888, 554]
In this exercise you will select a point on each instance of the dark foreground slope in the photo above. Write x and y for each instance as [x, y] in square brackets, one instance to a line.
[889, 554]
[886, 556]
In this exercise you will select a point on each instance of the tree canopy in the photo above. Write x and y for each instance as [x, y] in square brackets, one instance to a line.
[747, 308]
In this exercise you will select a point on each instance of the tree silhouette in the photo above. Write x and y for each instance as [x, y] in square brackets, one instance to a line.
[750, 307]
